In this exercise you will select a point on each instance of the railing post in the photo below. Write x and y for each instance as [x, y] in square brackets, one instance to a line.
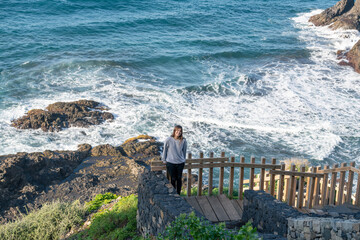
[291, 187]
[340, 193]
[221, 177]
[272, 180]
[231, 178]
[357, 195]
[262, 174]
[281, 184]
[300, 200]
[332, 186]
[350, 184]
[252, 176]
[312, 188]
[211, 173]
[189, 176]
[324, 191]
[199, 192]
[241, 178]
[317, 189]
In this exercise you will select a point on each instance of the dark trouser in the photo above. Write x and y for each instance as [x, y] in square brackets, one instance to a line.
[175, 171]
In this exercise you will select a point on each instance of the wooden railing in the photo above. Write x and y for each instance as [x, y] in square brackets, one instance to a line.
[314, 187]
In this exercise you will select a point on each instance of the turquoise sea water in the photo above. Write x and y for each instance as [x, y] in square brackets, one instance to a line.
[245, 77]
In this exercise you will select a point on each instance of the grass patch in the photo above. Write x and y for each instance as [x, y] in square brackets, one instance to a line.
[119, 222]
[52, 221]
[100, 200]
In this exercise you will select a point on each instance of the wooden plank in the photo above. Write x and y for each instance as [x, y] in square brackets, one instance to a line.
[207, 209]
[290, 197]
[317, 190]
[211, 174]
[272, 180]
[231, 179]
[252, 176]
[241, 178]
[312, 189]
[300, 200]
[229, 208]
[340, 193]
[218, 209]
[237, 207]
[188, 190]
[200, 177]
[349, 185]
[256, 165]
[324, 188]
[296, 174]
[357, 194]
[221, 176]
[262, 173]
[194, 203]
[281, 184]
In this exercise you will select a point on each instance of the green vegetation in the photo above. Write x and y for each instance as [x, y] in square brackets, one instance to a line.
[100, 200]
[52, 221]
[192, 227]
[55, 220]
[118, 222]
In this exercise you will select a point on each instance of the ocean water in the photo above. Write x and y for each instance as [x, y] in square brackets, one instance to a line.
[242, 76]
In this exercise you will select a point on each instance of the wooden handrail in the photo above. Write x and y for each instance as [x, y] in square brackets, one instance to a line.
[296, 174]
[320, 186]
[340, 169]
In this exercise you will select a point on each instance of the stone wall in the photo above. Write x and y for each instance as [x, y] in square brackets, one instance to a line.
[269, 215]
[158, 203]
[266, 213]
[323, 228]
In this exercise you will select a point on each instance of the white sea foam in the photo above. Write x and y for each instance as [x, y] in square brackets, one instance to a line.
[303, 109]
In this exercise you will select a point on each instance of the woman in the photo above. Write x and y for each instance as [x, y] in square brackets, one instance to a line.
[174, 155]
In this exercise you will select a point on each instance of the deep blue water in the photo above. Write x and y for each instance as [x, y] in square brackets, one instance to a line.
[246, 77]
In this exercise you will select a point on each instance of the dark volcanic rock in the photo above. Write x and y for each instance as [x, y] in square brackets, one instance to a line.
[331, 14]
[353, 56]
[28, 180]
[345, 14]
[82, 113]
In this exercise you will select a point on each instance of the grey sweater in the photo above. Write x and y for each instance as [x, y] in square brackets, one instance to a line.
[174, 151]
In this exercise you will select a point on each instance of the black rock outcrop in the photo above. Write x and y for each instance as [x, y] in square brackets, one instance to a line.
[59, 115]
[28, 180]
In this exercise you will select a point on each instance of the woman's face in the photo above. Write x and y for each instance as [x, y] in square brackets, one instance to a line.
[178, 132]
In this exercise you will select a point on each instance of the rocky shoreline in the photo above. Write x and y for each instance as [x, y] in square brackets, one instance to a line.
[345, 15]
[28, 180]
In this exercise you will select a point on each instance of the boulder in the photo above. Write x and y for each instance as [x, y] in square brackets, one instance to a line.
[59, 115]
[331, 14]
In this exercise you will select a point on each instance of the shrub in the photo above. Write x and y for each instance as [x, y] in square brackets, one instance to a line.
[52, 221]
[117, 223]
[192, 227]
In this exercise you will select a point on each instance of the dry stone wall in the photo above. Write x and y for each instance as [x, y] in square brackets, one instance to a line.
[323, 228]
[158, 204]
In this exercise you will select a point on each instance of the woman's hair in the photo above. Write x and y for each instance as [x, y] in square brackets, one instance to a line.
[175, 128]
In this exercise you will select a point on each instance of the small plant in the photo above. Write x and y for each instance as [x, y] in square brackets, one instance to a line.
[100, 200]
[192, 227]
